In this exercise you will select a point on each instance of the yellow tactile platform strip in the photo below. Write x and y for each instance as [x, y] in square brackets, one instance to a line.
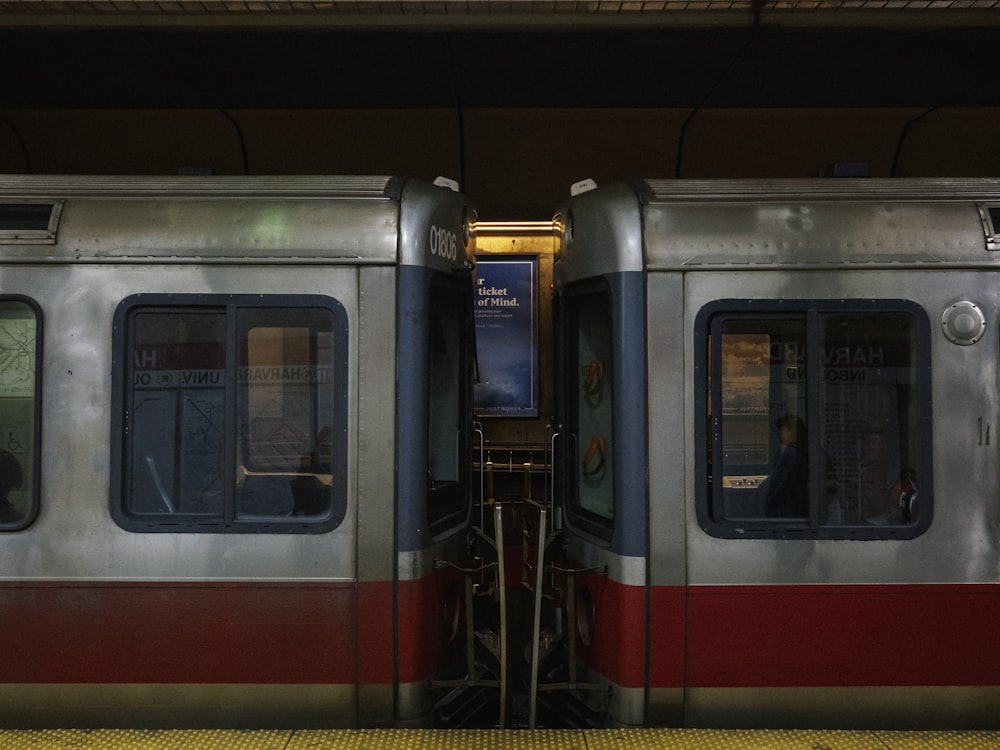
[400, 739]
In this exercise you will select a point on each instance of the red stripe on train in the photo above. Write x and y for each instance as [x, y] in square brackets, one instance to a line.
[183, 633]
[617, 649]
[176, 632]
[736, 636]
[421, 626]
[843, 635]
[375, 635]
[797, 636]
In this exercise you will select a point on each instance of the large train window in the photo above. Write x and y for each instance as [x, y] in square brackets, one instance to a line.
[449, 407]
[20, 411]
[231, 408]
[589, 409]
[815, 420]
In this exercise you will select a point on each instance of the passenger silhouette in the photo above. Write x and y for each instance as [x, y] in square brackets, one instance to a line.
[10, 478]
[787, 486]
[311, 495]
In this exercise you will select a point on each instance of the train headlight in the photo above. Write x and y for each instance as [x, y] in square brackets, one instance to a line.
[963, 323]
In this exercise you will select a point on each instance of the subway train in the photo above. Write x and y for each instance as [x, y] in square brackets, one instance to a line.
[776, 456]
[235, 461]
[242, 483]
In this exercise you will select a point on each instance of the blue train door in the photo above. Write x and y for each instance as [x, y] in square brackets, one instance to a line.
[602, 469]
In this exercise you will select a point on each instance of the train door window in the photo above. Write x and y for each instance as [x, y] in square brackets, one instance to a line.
[230, 408]
[449, 415]
[761, 412]
[590, 404]
[286, 413]
[20, 411]
[815, 419]
[176, 412]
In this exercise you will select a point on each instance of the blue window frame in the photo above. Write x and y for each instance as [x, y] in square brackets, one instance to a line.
[815, 419]
[232, 413]
[20, 411]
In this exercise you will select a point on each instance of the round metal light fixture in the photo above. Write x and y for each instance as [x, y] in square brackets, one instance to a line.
[963, 323]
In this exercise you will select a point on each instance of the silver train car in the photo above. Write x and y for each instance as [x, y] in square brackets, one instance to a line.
[236, 422]
[777, 454]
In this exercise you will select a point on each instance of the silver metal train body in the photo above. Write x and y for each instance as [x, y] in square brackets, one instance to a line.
[236, 466]
[778, 451]
[235, 418]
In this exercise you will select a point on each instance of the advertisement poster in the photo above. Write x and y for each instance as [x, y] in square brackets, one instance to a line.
[506, 308]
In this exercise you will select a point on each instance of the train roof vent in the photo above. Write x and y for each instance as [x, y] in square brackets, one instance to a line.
[991, 225]
[29, 222]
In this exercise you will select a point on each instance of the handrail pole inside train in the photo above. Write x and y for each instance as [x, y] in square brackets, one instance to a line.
[502, 593]
[478, 427]
[537, 616]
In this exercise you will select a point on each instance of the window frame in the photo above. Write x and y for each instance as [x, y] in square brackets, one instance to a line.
[577, 298]
[34, 471]
[454, 292]
[228, 520]
[707, 423]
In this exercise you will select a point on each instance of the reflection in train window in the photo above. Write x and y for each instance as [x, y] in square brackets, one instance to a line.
[20, 348]
[448, 417]
[590, 403]
[230, 412]
[816, 420]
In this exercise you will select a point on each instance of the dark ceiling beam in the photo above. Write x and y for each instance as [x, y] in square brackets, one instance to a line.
[406, 69]
[498, 14]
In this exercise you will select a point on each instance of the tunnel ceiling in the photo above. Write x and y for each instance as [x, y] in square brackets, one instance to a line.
[488, 54]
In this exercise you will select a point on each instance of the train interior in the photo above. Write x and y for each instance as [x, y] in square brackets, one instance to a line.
[524, 669]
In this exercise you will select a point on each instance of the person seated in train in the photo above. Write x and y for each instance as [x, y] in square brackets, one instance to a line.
[787, 485]
[10, 478]
[903, 497]
[310, 494]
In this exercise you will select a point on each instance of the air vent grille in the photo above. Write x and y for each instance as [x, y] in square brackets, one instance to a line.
[29, 222]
